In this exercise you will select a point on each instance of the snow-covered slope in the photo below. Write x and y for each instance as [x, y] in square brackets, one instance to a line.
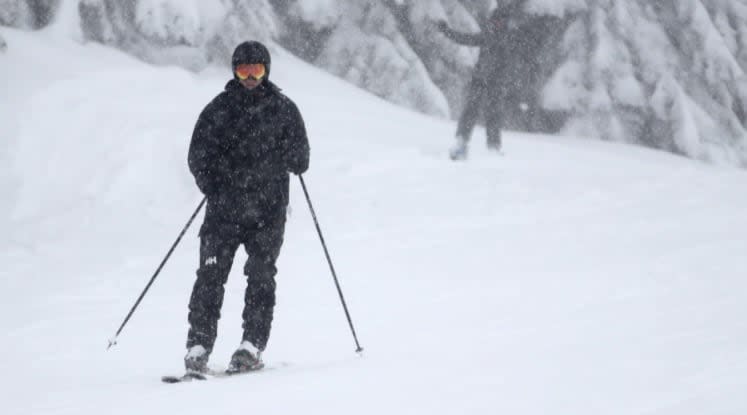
[568, 277]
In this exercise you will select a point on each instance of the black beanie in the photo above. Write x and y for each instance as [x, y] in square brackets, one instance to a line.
[251, 52]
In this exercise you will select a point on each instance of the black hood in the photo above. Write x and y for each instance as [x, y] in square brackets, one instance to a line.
[251, 52]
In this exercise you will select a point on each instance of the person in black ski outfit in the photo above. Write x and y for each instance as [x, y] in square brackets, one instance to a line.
[245, 144]
[497, 42]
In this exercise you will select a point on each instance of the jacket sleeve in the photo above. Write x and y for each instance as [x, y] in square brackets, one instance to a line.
[468, 39]
[206, 160]
[297, 143]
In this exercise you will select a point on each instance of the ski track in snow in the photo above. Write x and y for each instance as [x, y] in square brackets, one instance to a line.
[569, 276]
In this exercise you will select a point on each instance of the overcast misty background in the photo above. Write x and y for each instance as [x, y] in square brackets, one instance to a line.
[667, 74]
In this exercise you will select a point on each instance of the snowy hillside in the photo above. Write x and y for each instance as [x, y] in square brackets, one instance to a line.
[569, 276]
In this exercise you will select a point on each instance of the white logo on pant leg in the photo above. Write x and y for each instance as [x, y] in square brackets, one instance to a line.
[211, 260]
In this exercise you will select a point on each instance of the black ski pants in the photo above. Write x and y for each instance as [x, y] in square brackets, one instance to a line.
[218, 246]
[480, 97]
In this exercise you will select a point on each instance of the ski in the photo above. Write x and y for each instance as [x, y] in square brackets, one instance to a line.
[214, 374]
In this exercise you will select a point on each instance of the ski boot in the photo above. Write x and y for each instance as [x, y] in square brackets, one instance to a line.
[245, 359]
[494, 146]
[459, 151]
[195, 362]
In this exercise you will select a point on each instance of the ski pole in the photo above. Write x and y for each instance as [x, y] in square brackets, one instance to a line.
[113, 340]
[331, 267]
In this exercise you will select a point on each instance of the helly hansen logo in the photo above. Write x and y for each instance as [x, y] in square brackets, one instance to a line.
[211, 260]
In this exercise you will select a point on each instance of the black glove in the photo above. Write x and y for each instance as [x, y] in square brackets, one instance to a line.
[207, 185]
[442, 26]
[292, 165]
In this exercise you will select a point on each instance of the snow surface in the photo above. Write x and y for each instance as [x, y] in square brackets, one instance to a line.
[571, 276]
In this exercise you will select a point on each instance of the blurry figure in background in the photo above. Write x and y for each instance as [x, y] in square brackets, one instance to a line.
[244, 145]
[488, 85]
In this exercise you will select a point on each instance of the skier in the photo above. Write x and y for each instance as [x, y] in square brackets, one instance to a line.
[245, 144]
[488, 84]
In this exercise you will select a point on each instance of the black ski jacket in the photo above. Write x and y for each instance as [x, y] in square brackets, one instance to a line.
[498, 50]
[508, 43]
[243, 147]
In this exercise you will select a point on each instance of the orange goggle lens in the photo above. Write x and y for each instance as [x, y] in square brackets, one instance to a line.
[255, 70]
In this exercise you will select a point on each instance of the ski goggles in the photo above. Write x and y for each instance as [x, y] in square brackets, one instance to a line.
[254, 70]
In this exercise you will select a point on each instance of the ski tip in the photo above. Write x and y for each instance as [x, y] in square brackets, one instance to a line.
[188, 377]
[171, 379]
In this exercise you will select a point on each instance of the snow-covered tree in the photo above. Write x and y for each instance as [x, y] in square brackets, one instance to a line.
[655, 73]
[362, 42]
[192, 33]
[448, 64]
[27, 14]
[368, 49]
